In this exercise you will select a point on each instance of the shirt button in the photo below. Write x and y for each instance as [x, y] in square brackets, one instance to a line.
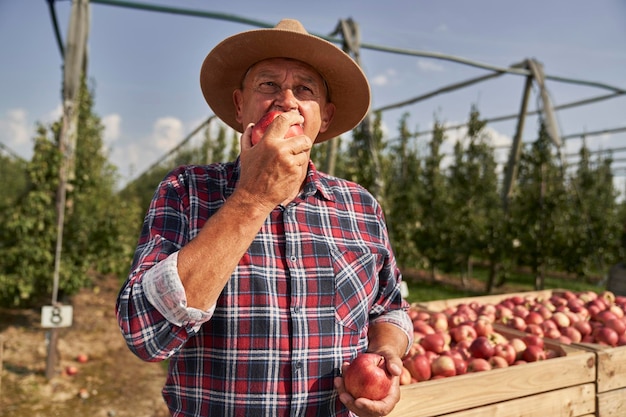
[298, 365]
[296, 309]
[293, 259]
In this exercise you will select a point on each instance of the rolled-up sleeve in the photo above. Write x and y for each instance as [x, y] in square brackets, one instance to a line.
[164, 290]
[401, 320]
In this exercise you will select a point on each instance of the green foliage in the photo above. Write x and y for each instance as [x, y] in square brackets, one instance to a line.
[402, 211]
[96, 224]
[434, 233]
[29, 229]
[16, 170]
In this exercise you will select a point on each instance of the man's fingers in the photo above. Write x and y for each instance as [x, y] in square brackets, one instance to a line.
[245, 141]
[281, 124]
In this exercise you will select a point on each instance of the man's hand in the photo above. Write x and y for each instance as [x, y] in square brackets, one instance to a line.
[364, 407]
[273, 170]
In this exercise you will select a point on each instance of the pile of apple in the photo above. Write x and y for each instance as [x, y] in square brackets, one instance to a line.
[463, 340]
[566, 316]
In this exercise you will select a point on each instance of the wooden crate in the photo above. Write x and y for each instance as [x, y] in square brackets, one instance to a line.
[565, 384]
[612, 403]
[440, 305]
[610, 378]
[610, 364]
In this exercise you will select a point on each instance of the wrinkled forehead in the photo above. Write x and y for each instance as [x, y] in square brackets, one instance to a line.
[277, 67]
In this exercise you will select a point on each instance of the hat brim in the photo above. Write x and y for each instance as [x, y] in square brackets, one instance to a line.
[225, 66]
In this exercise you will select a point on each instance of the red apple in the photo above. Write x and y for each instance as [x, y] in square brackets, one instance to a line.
[604, 316]
[367, 377]
[434, 342]
[605, 336]
[561, 319]
[533, 340]
[82, 358]
[419, 367]
[71, 370]
[498, 362]
[405, 376]
[261, 126]
[519, 345]
[534, 353]
[572, 334]
[617, 310]
[459, 357]
[483, 326]
[619, 325]
[534, 329]
[608, 296]
[516, 323]
[443, 366]
[439, 322]
[506, 351]
[421, 326]
[478, 365]
[583, 326]
[482, 348]
[463, 332]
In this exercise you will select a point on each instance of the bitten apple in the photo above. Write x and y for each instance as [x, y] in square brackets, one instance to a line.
[261, 126]
[367, 377]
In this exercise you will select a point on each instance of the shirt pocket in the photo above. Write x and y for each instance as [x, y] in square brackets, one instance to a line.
[356, 286]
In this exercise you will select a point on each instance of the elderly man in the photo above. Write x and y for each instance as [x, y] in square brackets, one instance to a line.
[260, 278]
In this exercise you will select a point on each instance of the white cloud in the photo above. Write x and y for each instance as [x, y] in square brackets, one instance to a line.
[380, 80]
[383, 79]
[112, 128]
[14, 128]
[428, 65]
[16, 132]
[53, 115]
[167, 133]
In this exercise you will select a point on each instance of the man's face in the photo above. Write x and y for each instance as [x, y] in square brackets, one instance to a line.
[284, 85]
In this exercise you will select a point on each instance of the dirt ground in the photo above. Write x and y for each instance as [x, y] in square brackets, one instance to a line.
[112, 383]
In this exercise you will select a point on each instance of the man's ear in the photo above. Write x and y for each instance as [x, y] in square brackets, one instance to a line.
[327, 116]
[238, 102]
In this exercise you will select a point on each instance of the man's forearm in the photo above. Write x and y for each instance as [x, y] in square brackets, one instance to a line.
[206, 263]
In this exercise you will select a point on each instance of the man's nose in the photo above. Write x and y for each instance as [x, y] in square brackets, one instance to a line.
[287, 99]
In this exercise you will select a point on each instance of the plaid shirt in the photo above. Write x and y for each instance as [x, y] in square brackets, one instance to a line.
[299, 303]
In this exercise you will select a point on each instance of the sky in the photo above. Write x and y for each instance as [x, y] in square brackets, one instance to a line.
[143, 67]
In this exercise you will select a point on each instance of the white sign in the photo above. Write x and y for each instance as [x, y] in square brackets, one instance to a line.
[56, 316]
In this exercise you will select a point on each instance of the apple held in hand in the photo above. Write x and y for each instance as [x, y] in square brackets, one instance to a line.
[367, 377]
[261, 126]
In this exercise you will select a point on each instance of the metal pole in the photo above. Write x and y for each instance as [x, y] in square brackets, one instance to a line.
[73, 68]
[512, 167]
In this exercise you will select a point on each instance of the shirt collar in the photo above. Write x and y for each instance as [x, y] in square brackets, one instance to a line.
[316, 182]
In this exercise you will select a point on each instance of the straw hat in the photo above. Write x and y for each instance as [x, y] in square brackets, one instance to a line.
[225, 66]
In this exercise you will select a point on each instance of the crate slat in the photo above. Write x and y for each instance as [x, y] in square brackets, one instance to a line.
[446, 395]
[567, 402]
[612, 403]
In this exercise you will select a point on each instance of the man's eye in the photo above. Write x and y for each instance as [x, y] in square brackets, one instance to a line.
[269, 87]
[305, 91]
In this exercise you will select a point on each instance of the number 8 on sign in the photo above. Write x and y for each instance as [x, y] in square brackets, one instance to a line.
[56, 316]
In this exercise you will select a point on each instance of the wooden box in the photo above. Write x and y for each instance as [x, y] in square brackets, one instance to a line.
[562, 386]
[609, 380]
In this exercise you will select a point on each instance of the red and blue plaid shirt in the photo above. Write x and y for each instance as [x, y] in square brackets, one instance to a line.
[299, 303]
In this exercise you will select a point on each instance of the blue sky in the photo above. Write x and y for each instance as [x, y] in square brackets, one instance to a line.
[144, 65]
